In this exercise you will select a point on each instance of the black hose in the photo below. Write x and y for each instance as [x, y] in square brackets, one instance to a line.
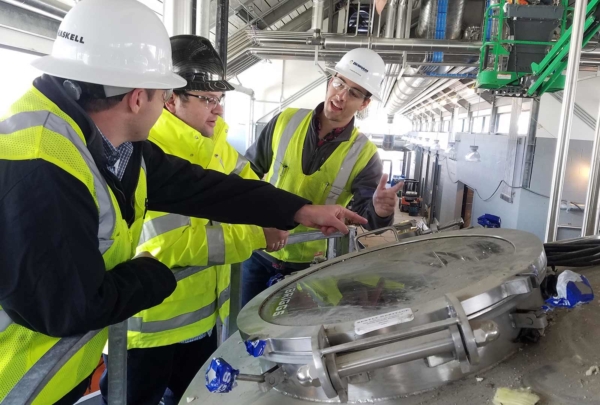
[578, 253]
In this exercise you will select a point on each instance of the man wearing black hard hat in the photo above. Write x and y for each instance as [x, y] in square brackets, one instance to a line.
[168, 343]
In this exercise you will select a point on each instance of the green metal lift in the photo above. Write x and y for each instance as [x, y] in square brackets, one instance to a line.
[525, 47]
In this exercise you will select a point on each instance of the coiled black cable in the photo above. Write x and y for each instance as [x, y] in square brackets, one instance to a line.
[581, 252]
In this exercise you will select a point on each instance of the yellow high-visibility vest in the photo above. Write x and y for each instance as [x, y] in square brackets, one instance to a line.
[182, 242]
[331, 184]
[35, 128]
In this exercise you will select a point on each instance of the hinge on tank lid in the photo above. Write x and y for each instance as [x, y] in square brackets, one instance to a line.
[517, 286]
[529, 320]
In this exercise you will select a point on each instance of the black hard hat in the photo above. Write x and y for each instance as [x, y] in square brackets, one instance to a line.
[195, 59]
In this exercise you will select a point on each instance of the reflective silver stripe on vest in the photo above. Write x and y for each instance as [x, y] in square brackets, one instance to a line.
[164, 224]
[33, 382]
[106, 214]
[337, 188]
[240, 164]
[144, 166]
[284, 142]
[5, 320]
[138, 325]
[185, 272]
[216, 245]
[224, 296]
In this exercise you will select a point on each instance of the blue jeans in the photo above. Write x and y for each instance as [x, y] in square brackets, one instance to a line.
[258, 270]
[162, 372]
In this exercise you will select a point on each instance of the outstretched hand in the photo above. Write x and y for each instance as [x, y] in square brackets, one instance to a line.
[327, 218]
[385, 200]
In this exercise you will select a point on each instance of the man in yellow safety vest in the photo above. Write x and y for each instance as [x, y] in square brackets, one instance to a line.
[320, 155]
[77, 177]
[169, 343]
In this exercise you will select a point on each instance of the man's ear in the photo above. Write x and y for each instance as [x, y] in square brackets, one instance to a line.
[135, 99]
[365, 104]
[171, 105]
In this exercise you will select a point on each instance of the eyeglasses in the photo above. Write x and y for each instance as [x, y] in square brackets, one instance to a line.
[339, 85]
[211, 102]
[167, 93]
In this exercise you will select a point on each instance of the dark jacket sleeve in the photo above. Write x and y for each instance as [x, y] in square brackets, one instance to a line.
[260, 154]
[177, 186]
[53, 279]
[363, 188]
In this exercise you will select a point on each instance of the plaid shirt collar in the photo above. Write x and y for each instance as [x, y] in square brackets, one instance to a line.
[120, 155]
[333, 135]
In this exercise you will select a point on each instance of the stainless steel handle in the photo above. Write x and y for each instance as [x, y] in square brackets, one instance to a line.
[454, 336]
[310, 236]
[397, 229]
[395, 353]
[390, 337]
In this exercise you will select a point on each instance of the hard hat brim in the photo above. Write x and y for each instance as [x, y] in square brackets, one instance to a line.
[116, 77]
[214, 85]
[348, 74]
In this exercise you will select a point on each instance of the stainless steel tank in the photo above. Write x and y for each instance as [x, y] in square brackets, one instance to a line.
[394, 320]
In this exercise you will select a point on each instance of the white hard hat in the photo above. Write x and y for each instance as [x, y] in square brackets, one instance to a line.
[118, 43]
[364, 67]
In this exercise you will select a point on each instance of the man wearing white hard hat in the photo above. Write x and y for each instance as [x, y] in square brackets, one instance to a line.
[320, 155]
[76, 178]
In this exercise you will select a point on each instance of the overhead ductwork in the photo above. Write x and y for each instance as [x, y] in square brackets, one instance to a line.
[428, 19]
[434, 23]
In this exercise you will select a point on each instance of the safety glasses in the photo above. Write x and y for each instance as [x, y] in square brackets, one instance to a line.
[211, 102]
[339, 85]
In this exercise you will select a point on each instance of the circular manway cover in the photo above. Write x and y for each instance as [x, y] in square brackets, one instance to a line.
[404, 275]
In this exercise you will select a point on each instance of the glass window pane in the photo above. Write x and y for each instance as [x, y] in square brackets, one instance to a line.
[446, 126]
[524, 122]
[478, 125]
[503, 123]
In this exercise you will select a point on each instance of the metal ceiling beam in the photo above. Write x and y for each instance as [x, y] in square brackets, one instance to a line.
[448, 107]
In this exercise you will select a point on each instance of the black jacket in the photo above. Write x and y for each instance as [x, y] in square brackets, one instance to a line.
[364, 185]
[52, 276]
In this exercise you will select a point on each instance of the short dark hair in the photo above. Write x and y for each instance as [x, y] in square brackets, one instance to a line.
[181, 93]
[96, 105]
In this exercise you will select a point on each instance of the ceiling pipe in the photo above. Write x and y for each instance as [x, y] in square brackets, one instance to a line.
[317, 16]
[402, 19]
[408, 44]
[391, 18]
[222, 31]
[177, 17]
[203, 18]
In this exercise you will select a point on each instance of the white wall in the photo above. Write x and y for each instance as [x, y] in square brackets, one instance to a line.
[587, 97]
[265, 78]
[549, 117]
